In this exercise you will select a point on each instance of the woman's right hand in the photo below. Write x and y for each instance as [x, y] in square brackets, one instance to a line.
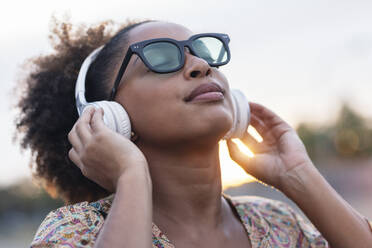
[102, 155]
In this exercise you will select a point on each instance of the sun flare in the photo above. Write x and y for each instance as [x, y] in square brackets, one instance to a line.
[232, 173]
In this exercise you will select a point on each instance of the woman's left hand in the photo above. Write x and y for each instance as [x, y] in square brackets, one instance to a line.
[280, 152]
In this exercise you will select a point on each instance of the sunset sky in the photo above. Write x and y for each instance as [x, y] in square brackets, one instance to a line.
[299, 58]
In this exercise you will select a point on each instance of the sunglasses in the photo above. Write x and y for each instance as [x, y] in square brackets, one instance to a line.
[165, 55]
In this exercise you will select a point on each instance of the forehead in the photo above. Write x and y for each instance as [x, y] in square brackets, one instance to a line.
[153, 30]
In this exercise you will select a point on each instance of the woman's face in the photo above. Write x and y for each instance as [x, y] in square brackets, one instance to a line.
[156, 102]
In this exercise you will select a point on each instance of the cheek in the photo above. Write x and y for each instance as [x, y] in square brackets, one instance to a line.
[150, 109]
[159, 114]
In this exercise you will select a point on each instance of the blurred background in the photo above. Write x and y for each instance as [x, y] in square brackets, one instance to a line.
[309, 61]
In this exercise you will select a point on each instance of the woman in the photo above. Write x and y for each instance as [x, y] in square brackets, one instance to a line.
[166, 178]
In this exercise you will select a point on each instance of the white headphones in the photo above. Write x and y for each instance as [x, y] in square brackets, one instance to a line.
[117, 119]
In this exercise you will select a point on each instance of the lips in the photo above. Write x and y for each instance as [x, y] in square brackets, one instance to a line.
[202, 89]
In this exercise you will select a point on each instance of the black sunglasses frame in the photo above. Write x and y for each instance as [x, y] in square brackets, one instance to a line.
[137, 48]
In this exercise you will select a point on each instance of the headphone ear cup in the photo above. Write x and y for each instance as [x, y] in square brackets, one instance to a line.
[230, 133]
[115, 117]
[241, 115]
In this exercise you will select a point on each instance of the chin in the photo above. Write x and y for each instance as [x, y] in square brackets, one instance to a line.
[217, 127]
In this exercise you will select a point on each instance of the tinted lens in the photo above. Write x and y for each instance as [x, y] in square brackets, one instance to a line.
[162, 56]
[211, 49]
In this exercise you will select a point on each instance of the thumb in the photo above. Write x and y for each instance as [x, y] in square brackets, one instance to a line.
[97, 120]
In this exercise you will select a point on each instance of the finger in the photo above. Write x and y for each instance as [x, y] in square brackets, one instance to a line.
[249, 140]
[74, 139]
[236, 154]
[82, 127]
[247, 163]
[272, 121]
[97, 120]
[74, 157]
[258, 124]
[88, 114]
[262, 129]
[261, 110]
[268, 116]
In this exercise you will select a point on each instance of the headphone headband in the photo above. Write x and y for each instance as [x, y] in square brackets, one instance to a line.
[81, 102]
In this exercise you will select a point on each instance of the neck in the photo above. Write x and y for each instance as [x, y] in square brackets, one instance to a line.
[186, 187]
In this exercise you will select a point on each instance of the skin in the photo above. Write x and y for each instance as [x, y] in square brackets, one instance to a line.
[170, 174]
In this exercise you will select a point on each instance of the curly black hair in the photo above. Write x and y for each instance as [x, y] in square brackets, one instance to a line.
[46, 110]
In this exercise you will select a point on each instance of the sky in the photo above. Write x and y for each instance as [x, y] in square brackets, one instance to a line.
[299, 58]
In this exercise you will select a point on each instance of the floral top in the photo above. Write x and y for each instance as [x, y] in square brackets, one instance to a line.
[269, 223]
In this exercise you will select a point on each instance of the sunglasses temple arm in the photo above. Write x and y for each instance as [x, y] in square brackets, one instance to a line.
[121, 73]
[222, 51]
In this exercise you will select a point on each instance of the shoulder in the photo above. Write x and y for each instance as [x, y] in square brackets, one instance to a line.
[268, 209]
[278, 220]
[75, 225]
[265, 206]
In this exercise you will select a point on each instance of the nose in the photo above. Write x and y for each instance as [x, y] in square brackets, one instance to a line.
[195, 67]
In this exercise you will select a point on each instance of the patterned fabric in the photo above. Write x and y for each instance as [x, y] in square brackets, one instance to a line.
[268, 223]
